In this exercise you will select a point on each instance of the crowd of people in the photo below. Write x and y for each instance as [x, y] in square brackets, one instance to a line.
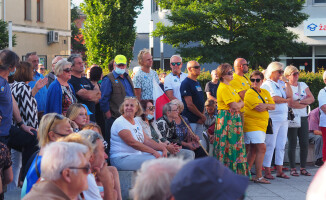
[67, 133]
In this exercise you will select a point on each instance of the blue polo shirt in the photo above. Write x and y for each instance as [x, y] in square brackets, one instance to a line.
[41, 94]
[5, 107]
[192, 88]
[106, 90]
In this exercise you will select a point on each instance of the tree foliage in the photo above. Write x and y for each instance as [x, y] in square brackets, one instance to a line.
[220, 31]
[109, 29]
[77, 40]
[4, 37]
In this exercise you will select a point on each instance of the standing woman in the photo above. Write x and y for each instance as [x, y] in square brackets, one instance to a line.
[61, 94]
[302, 97]
[229, 146]
[280, 90]
[257, 103]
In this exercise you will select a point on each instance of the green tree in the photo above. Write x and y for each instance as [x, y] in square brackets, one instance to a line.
[4, 37]
[220, 31]
[109, 29]
[77, 41]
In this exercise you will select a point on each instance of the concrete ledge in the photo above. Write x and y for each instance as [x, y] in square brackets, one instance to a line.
[310, 157]
[127, 180]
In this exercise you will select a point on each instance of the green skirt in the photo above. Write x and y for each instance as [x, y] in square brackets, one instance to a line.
[229, 146]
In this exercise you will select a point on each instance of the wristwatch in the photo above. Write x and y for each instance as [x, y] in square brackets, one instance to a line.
[19, 124]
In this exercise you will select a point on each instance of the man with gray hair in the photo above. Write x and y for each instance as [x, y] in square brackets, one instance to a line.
[51, 76]
[64, 169]
[107, 175]
[154, 178]
[173, 81]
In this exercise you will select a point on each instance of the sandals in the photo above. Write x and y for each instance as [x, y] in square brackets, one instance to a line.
[269, 176]
[262, 180]
[294, 172]
[282, 175]
[304, 172]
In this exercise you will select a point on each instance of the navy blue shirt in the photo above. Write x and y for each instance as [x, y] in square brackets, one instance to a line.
[106, 90]
[212, 88]
[192, 88]
[5, 107]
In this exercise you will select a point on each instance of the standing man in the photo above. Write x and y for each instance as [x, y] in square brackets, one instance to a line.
[240, 83]
[115, 86]
[173, 80]
[143, 79]
[42, 93]
[193, 99]
[211, 87]
[51, 77]
[85, 91]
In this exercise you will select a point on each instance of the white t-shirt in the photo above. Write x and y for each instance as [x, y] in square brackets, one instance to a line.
[92, 192]
[173, 82]
[118, 147]
[322, 101]
[277, 89]
[296, 96]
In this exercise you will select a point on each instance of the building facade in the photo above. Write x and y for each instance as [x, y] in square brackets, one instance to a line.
[42, 26]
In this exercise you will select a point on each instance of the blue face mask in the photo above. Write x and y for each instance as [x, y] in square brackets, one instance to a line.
[120, 71]
[12, 73]
[149, 117]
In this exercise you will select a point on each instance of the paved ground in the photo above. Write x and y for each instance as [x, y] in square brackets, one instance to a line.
[294, 188]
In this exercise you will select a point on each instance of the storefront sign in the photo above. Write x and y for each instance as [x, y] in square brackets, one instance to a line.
[315, 27]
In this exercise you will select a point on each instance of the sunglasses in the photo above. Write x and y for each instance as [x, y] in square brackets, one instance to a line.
[58, 117]
[229, 73]
[246, 64]
[196, 67]
[151, 108]
[87, 168]
[42, 69]
[67, 70]
[280, 71]
[176, 63]
[255, 79]
[295, 74]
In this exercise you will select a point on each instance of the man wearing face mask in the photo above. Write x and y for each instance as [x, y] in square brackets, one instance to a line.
[115, 86]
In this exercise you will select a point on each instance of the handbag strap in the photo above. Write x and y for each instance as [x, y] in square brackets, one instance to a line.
[259, 95]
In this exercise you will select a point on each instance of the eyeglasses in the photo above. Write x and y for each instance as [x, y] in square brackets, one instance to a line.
[255, 79]
[129, 97]
[280, 71]
[176, 63]
[295, 74]
[67, 70]
[196, 67]
[151, 108]
[42, 69]
[229, 73]
[246, 64]
[57, 116]
[87, 168]
[61, 135]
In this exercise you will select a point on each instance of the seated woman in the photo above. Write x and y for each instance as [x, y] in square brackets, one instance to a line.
[60, 94]
[129, 146]
[52, 127]
[78, 114]
[175, 131]
[150, 128]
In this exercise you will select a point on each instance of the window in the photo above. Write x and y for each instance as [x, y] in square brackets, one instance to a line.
[320, 1]
[39, 10]
[28, 8]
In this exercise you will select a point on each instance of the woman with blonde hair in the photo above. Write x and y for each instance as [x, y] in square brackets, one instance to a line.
[52, 127]
[280, 90]
[302, 97]
[78, 114]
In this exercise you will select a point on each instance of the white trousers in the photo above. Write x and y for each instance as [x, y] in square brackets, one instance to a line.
[276, 141]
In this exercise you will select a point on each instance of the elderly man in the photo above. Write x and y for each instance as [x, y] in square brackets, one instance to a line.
[51, 77]
[65, 168]
[108, 176]
[115, 86]
[173, 80]
[315, 135]
[85, 91]
[211, 87]
[42, 93]
[154, 178]
[240, 83]
[143, 79]
[193, 100]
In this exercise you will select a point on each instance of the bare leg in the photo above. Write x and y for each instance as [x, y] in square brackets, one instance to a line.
[260, 149]
[251, 154]
[115, 174]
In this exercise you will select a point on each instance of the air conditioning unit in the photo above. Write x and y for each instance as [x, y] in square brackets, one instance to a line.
[53, 36]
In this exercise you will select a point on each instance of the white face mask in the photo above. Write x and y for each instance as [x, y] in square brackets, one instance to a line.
[120, 71]
[149, 116]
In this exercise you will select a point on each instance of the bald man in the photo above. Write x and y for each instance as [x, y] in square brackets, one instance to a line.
[193, 99]
[240, 83]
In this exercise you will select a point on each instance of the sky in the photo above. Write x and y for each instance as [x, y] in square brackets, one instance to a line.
[77, 2]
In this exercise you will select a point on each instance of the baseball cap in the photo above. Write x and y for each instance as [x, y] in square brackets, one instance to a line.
[88, 111]
[120, 59]
[207, 178]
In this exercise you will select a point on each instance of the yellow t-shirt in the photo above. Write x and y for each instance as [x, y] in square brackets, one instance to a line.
[240, 83]
[254, 120]
[226, 94]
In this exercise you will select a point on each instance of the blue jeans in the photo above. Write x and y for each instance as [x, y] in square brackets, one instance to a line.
[131, 162]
